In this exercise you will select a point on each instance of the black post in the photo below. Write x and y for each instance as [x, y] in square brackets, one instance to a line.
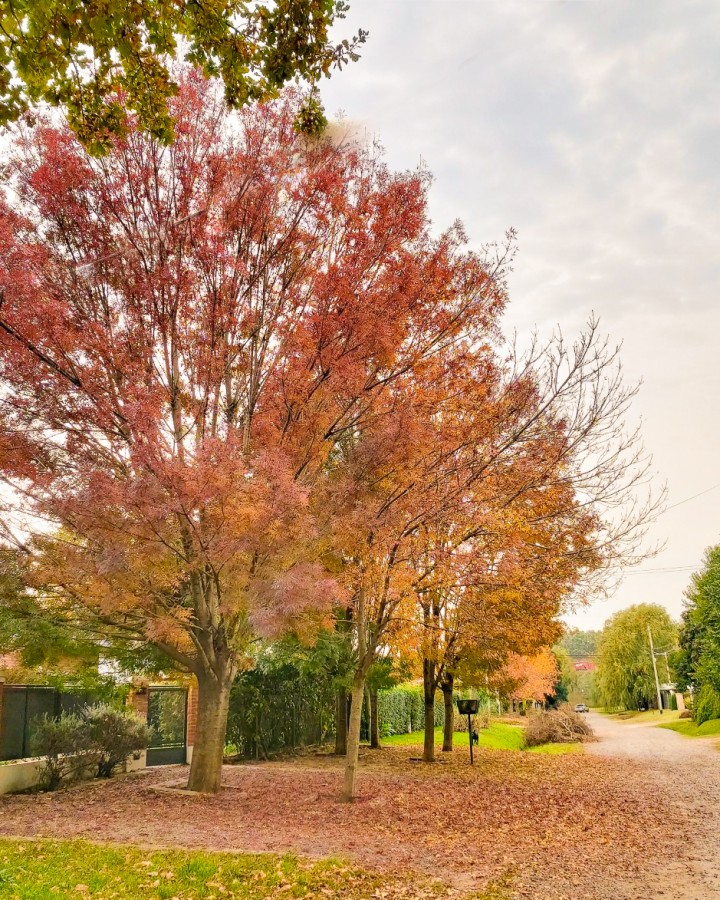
[470, 737]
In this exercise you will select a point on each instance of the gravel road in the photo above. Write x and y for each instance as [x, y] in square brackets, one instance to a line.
[685, 773]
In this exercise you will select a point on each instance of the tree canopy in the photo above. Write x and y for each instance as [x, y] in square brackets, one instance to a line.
[100, 60]
[223, 361]
[625, 678]
[251, 391]
[580, 644]
[698, 660]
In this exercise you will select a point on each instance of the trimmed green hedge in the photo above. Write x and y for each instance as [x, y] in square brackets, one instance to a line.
[401, 710]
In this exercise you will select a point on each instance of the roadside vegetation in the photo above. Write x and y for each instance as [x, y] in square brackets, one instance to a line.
[692, 729]
[78, 869]
[497, 736]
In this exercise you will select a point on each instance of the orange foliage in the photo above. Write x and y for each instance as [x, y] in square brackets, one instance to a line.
[530, 677]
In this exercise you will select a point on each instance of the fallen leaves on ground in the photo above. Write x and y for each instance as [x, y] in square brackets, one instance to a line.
[561, 824]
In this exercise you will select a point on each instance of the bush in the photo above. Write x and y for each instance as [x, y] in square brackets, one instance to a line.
[96, 741]
[685, 714]
[113, 735]
[401, 710]
[557, 726]
[63, 744]
[707, 705]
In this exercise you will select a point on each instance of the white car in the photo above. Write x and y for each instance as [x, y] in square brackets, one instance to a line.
[581, 708]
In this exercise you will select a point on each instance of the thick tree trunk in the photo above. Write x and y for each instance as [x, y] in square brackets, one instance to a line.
[429, 688]
[207, 757]
[374, 720]
[341, 722]
[449, 726]
[353, 738]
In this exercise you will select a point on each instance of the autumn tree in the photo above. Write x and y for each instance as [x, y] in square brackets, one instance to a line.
[475, 625]
[202, 346]
[529, 677]
[99, 60]
[543, 523]
[551, 424]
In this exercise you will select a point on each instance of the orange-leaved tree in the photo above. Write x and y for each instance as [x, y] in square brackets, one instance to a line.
[529, 677]
[201, 346]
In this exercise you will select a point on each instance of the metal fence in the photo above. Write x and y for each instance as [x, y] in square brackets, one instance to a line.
[21, 705]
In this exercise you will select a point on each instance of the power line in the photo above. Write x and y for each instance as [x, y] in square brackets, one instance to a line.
[688, 499]
[666, 570]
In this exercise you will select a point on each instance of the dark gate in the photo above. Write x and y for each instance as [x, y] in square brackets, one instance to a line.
[22, 706]
[167, 719]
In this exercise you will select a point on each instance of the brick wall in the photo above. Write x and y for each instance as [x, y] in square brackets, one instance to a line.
[138, 699]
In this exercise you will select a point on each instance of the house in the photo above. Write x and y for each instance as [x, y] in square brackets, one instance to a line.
[584, 665]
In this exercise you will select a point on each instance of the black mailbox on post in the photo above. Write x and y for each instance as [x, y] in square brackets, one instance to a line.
[468, 707]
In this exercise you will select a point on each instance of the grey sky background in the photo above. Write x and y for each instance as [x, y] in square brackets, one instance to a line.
[593, 128]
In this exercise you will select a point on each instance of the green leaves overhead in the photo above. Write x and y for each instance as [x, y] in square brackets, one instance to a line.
[100, 59]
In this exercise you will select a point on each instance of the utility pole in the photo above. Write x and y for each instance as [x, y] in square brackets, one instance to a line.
[657, 682]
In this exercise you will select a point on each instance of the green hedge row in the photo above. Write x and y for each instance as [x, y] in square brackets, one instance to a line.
[401, 710]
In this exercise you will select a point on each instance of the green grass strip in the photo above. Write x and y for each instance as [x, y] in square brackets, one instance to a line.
[56, 870]
[499, 736]
[690, 729]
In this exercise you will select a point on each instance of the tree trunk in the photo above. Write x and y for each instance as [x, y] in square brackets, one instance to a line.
[368, 712]
[429, 688]
[341, 722]
[374, 720]
[449, 726]
[353, 738]
[207, 757]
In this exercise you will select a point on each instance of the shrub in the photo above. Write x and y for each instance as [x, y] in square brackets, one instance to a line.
[113, 735]
[63, 745]
[94, 742]
[707, 705]
[556, 726]
[402, 710]
[685, 714]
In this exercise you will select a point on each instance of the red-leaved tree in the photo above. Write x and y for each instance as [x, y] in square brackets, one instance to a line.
[191, 338]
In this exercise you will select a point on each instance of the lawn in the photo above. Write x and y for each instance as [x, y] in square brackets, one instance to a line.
[78, 870]
[690, 729]
[499, 736]
[648, 715]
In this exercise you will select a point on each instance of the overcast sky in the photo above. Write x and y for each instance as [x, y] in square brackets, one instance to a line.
[593, 128]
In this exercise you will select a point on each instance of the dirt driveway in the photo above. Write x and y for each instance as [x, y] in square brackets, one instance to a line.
[684, 775]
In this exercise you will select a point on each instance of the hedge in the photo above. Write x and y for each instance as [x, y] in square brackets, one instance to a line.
[401, 710]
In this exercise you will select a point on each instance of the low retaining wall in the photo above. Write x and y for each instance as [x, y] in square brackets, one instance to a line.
[20, 775]
[23, 774]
